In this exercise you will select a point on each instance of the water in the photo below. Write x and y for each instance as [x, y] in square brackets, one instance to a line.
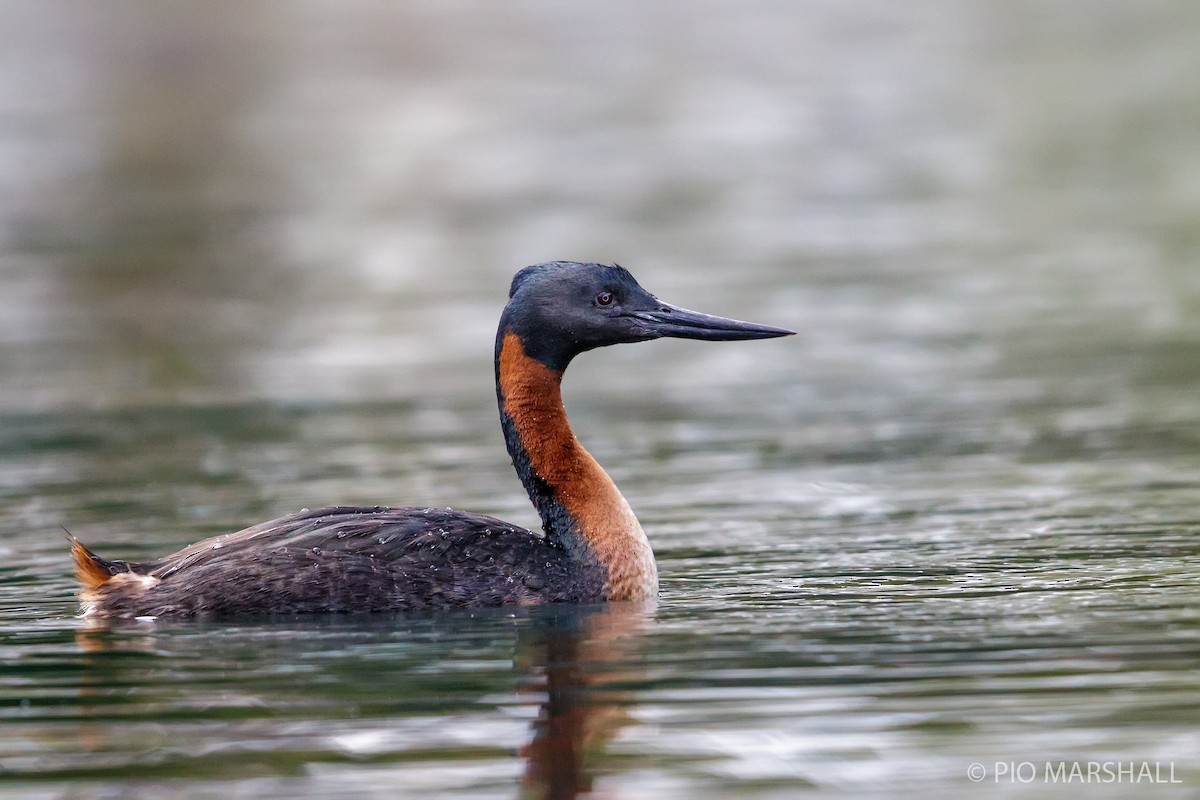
[253, 263]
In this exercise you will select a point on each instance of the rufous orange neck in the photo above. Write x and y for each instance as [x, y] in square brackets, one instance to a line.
[577, 500]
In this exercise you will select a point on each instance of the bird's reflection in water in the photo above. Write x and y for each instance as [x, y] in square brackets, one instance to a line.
[574, 663]
[578, 662]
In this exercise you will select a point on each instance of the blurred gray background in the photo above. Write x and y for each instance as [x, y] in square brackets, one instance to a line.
[211, 202]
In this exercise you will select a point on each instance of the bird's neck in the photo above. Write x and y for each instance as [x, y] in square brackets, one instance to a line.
[578, 502]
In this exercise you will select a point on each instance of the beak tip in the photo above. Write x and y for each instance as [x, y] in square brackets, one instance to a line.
[771, 332]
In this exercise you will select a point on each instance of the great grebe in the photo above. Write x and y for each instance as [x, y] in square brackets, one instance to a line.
[351, 559]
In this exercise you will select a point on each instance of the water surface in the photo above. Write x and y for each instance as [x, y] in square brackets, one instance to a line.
[252, 263]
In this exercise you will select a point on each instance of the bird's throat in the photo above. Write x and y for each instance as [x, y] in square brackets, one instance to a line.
[578, 502]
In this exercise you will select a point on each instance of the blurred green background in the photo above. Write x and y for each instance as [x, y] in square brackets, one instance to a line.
[217, 201]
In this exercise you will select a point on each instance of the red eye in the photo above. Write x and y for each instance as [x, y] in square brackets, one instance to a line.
[604, 299]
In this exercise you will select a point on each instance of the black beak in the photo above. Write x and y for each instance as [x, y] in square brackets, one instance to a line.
[680, 323]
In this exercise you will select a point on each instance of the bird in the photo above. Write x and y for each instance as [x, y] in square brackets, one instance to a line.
[344, 559]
